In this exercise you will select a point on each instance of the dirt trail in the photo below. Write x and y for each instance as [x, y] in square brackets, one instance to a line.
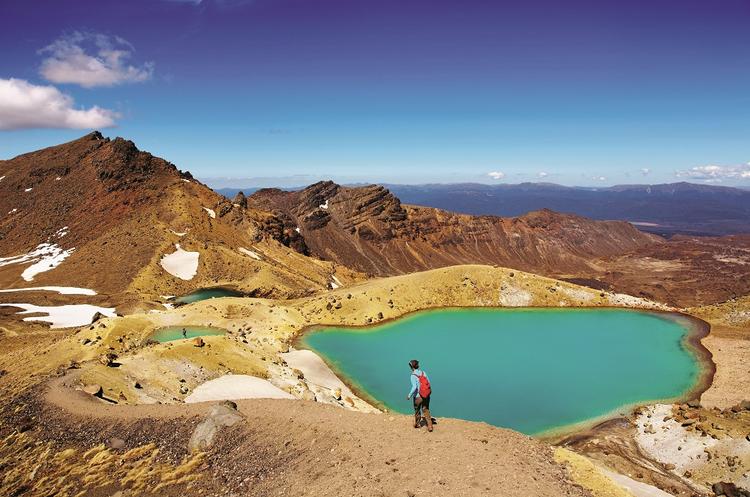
[282, 447]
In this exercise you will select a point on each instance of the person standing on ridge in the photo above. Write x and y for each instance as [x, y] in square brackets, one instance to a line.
[420, 393]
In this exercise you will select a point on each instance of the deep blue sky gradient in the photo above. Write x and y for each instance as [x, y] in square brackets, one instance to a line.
[413, 91]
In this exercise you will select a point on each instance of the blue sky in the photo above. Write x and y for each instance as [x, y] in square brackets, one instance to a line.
[288, 92]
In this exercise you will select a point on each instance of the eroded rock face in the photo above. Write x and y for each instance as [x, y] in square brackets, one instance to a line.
[368, 229]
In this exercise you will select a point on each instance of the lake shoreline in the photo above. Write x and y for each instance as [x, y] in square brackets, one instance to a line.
[696, 330]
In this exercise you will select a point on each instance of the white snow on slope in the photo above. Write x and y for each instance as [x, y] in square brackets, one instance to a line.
[296, 229]
[178, 233]
[63, 316]
[62, 290]
[12, 211]
[2, 178]
[236, 386]
[45, 256]
[252, 254]
[324, 206]
[28, 189]
[181, 263]
[210, 212]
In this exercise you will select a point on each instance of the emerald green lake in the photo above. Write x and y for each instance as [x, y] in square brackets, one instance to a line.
[531, 370]
[171, 333]
[207, 293]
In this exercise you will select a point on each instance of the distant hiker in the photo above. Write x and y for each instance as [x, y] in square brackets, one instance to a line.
[420, 393]
[184, 333]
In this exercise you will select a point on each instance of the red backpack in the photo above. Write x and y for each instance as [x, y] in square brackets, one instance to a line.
[424, 385]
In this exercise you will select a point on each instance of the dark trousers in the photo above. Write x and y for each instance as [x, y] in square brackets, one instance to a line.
[422, 410]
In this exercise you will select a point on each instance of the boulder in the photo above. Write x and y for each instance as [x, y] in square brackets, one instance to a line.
[219, 416]
[93, 389]
[198, 342]
[108, 359]
[97, 316]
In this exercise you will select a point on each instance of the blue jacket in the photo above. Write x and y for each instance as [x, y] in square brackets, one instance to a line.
[415, 382]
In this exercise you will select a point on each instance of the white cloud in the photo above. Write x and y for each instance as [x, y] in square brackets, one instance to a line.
[25, 105]
[715, 174]
[542, 175]
[496, 174]
[106, 65]
[645, 171]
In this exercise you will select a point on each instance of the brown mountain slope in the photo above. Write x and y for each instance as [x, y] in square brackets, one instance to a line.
[110, 213]
[368, 229]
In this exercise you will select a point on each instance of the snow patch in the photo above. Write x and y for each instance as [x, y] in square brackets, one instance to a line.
[58, 178]
[178, 233]
[181, 263]
[236, 386]
[12, 211]
[2, 178]
[45, 256]
[63, 316]
[252, 254]
[61, 232]
[296, 229]
[62, 290]
[324, 206]
[185, 180]
[28, 189]
[210, 212]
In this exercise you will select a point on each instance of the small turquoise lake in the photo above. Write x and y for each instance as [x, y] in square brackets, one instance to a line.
[207, 293]
[532, 370]
[171, 333]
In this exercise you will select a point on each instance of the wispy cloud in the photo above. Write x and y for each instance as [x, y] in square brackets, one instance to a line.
[715, 174]
[645, 171]
[542, 175]
[496, 174]
[24, 105]
[91, 59]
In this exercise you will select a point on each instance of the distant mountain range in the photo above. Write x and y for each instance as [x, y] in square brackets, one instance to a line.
[666, 209]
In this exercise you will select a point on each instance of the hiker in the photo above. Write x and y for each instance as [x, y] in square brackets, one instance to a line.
[184, 333]
[420, 392]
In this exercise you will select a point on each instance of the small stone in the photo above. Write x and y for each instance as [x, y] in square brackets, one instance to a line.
[137, 385]
[669, 466]
[184, 390]
[380, 315]
[337, 394]
[695, 403]
[116, 443]
[198, 342]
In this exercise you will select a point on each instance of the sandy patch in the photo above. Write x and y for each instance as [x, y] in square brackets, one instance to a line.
[181, 263]
[514, 297]
[635, 487]
[236, 386]
[63, 316]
